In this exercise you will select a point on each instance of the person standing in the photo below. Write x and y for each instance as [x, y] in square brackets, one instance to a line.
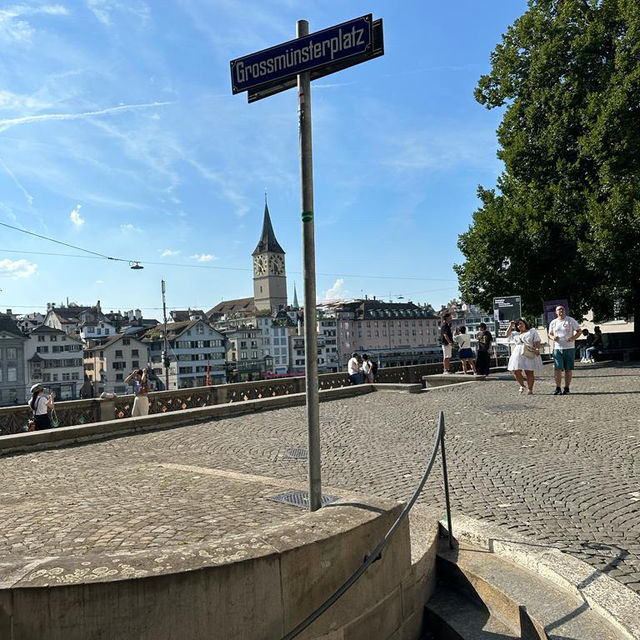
[526, 354]
[563, 331]
[41, 407]
[138, 379]
[447, 342]
[367, 369]
[353, 369]
[483, 359]
[465, 352]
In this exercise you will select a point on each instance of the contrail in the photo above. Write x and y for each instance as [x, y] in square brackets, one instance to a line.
[27, 195]
[7, 124]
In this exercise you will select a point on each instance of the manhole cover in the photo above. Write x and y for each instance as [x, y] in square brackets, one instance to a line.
[295, 453]
[301, 498]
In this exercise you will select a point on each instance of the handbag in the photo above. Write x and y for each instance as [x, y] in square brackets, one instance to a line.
[31, 424]
[54, 419]
[528, 351]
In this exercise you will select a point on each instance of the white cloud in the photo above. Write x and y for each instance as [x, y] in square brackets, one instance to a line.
[336, 292]
[75, 216]
[129, 228]
[169, 252]
[204, 257]
[99, 281]
[13, 26]
[12, 122]
[103, 9]
[17, 268]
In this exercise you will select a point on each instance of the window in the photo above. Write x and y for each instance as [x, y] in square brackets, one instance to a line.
[54, 377]
[12, 353]
[40, 338]
[46, 377]
[53, 338]
[66, 377]
[118, 353]
[134, 352]
[119, 377]
[136, 364]
[41, 349]
[126, 341]
[75, 376]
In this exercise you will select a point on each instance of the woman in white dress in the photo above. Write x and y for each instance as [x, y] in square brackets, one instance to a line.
[526, 353]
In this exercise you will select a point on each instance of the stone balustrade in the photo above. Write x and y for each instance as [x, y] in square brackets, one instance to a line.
[14, 419]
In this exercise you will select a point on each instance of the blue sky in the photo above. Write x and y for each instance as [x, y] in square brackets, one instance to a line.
[119, 134]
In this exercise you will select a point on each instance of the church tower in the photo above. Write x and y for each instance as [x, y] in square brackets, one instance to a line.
[269, 275]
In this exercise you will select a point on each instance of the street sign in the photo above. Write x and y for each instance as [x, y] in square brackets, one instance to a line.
[376, 50]
[287, 60]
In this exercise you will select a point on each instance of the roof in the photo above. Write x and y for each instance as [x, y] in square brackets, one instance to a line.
[240, 305]
[175, 329]
[43, 328]
[267, 242]
[181, 315]
[8, 324]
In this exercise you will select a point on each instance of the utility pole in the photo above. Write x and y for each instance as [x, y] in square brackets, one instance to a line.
[309, 261]
[165, 352]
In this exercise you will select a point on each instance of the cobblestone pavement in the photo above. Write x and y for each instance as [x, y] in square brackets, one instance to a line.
[560, 470]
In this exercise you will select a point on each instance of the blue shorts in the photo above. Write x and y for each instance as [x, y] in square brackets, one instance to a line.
[563, 359]
[465, 354]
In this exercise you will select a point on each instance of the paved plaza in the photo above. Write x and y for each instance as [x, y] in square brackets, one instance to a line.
[561, 471]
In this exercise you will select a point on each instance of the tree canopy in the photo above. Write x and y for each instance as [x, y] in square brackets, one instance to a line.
[564, 220]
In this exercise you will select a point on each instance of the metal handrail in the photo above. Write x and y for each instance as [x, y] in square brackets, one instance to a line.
[375, 554]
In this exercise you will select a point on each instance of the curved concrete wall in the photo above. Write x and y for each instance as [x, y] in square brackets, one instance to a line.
[260, 587]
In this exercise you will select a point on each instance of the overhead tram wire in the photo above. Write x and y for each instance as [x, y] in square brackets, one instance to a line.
[65, 244]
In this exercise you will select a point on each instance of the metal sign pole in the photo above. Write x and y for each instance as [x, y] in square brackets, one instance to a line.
[309, 262]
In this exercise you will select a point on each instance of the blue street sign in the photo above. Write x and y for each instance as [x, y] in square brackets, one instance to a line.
[286, 60]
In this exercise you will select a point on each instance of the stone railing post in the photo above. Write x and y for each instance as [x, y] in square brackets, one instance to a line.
[221, 394]
[107, 409]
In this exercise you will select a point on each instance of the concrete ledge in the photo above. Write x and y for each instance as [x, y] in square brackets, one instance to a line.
[93, 431]
[609, 598]
[254, 586]
[414, 387]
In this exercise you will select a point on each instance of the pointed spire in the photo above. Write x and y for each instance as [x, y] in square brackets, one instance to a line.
[267, 242]
[295, 297]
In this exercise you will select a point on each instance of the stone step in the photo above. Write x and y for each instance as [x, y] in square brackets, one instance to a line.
[452, 615]
[502, 586]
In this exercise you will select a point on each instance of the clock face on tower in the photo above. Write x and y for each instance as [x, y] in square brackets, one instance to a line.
[259, 265]
[276, 265]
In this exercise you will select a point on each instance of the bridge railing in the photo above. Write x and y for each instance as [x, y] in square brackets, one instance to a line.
[14, 419]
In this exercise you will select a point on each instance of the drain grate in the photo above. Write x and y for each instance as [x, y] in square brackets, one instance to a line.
[295, 453]
[301, 498]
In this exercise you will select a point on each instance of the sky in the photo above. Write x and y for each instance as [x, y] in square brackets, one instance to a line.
[119, 135]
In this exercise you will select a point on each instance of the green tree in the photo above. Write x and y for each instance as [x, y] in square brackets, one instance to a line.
[564, 220]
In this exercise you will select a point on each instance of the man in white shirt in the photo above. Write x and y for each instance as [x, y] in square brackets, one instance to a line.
[563, 331]
[353, 369]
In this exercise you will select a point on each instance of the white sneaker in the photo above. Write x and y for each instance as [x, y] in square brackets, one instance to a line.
[521, 390]
[446, 373]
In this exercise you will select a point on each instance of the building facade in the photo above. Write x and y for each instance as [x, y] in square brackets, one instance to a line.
[54, 359]
[12, 362]
[196, 352]
[106, 365]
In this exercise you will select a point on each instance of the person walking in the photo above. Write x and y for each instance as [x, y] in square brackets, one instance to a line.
[483, 358]
[353, 369]
[138, 379]
[465, 352]
[526, 354]
[447, 342]
[563, 331]
[41, 407]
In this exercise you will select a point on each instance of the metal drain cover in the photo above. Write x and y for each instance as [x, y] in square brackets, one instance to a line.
[301, 498]
[295, 453]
